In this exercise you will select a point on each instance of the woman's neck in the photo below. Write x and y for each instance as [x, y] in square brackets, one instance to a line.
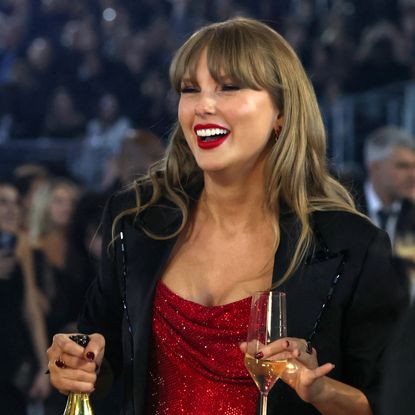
[233, 206]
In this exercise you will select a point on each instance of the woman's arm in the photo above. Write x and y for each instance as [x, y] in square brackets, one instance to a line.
[34, 318]
[310, 381]
[337, 398]
[368, 323]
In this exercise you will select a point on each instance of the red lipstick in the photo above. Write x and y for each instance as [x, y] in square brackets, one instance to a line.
[210, 135]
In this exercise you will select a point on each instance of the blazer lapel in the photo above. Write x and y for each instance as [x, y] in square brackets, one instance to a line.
[315, 275]
[145, 260]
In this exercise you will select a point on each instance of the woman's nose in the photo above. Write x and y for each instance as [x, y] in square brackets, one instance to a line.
[206, 104]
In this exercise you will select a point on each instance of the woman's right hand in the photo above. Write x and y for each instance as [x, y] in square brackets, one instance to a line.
[73, 368]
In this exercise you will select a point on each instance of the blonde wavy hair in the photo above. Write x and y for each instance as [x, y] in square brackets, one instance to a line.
[296, 174]
[40, 223]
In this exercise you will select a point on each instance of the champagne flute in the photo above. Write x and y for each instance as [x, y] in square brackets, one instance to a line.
[267, 323]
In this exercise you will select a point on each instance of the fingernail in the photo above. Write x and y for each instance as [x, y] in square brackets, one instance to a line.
[259, 355]
[287, 344]
[60, 363]
[90, 356]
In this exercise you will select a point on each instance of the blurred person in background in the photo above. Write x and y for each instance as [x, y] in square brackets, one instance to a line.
[378, 60]
[12, 34]
[52, 209]
[22, 331]
[63, 119]
[105, 134]
[28, 178]
[389, 154]
[139, 150]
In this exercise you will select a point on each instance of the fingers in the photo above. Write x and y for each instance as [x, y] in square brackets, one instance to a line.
[275, 348]
[323, 370]
[290, 348]
[94, 351]
[63, 346]
[73, 380]
[73, 367]
[69, 361]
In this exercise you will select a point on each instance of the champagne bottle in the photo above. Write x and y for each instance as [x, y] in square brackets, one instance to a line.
[78, 403]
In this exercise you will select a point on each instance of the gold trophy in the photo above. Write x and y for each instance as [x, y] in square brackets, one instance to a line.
[78, 403]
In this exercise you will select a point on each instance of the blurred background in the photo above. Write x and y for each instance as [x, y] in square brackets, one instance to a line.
[78, 73]
[86, 106]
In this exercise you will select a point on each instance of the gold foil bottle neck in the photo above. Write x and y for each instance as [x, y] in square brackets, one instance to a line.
[78, 404]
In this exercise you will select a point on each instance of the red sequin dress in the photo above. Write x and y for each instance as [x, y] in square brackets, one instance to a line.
[196, 366]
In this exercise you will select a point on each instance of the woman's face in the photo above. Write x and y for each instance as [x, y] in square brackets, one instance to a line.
[9, 209]
[227, 127]
[61, 205]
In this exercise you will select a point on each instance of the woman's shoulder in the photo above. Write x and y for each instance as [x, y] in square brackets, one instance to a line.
[344, 219]
[155, 218]
[122, 200]
[346, 227]
[128, 198]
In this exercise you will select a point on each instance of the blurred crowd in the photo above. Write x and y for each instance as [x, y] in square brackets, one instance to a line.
[76, 68]
[50, 245]
[97, 71]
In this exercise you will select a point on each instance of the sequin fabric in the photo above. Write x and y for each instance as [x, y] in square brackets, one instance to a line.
[196, 365]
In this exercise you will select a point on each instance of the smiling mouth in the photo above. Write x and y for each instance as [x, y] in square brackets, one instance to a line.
[207, 135]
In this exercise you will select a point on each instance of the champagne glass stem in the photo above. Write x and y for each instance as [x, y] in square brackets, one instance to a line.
[263, 404]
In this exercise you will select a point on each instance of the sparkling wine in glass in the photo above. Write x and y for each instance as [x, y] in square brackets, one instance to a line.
[267, 323]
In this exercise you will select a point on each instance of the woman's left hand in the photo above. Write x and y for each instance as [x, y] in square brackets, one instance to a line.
[302, 373]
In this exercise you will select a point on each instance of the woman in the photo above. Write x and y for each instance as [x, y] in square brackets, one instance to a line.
[242, 202]
[22, 331]
[52, 210]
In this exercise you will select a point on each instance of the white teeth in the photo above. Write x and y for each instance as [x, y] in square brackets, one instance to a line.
[207, 132]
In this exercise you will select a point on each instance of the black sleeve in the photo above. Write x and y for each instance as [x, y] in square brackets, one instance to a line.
[102, 310]
[370, 321]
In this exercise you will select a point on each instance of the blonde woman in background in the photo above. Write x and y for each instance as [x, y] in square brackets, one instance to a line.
[52, 208]
[22, 331]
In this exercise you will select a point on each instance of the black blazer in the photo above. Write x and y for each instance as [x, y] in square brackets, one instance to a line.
[349, 270]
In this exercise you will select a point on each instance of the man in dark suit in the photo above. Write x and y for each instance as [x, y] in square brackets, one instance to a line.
[385, 197]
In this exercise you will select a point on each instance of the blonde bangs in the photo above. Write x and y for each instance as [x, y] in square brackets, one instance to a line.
[233, 54]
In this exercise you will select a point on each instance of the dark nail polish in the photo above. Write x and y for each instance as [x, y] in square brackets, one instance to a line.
[90, 356]
[60, 363]
[259, 355]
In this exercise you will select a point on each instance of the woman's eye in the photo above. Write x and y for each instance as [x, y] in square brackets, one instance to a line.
[187, 89]
[230, 87]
